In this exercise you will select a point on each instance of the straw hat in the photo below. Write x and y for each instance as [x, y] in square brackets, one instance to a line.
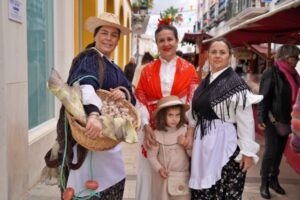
[105, 19]
[170, 101]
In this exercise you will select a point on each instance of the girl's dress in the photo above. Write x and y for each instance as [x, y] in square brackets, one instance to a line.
[170, 155]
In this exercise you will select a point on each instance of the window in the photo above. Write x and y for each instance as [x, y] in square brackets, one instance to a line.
[40, 48]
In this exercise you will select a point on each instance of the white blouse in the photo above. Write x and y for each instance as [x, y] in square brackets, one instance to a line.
[215, 148]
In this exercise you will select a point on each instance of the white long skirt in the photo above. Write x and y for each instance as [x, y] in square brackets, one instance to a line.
[144, 174]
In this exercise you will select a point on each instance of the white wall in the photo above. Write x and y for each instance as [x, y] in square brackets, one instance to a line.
[3, 144]
[22, 150]
[13, 101]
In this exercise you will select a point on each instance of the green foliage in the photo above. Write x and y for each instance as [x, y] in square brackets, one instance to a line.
[146, 3]
[170, 16]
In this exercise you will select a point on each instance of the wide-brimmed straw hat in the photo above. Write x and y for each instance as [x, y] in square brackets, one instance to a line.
[105, 19]
[170, 101]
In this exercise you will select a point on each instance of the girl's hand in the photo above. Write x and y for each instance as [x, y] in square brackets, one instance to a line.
[149, 139]
[116, 94]
[163, 173]
[246, 163]
[94, 127]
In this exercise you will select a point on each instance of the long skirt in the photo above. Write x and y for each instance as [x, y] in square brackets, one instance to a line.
[230, 186]
[144, 174]
[114, 192]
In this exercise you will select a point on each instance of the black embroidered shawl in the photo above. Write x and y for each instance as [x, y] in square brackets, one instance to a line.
[219, 92]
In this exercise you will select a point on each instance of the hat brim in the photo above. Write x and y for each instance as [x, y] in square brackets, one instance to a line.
[93, 22]
[185, 107]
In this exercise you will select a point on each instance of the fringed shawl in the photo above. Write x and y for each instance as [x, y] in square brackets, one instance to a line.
[219, 92]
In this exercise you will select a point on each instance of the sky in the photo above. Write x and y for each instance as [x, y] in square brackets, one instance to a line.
[188, 8]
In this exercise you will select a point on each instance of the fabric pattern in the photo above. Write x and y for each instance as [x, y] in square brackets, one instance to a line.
[230, 186]
[115, 192]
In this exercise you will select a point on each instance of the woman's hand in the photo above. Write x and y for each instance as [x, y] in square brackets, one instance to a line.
[246, 163]
[189, 138]
[149, 139]
[93, 126]
[116, 94]
[189, 142]
[163, 173]
[261, 126]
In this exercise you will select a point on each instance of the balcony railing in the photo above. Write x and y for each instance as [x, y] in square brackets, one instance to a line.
[234, 8]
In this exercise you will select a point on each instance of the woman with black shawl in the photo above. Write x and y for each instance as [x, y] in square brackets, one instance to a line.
[224, 147]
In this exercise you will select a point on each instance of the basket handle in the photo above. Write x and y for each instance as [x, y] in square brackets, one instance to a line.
[126, 91]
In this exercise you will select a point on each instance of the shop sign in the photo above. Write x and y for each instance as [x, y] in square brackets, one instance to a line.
[15, 10]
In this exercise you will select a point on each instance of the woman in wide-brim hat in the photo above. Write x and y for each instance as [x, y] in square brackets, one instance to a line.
[95, 69]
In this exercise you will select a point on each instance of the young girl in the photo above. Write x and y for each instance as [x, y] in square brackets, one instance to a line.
[169, 159]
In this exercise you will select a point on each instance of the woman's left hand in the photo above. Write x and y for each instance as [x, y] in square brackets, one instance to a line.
[116, 94]
[246, 163]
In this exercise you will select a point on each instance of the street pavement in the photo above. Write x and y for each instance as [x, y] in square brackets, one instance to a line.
[289, 180]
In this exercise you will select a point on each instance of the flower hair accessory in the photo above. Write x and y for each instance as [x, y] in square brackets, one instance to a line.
[169, 17]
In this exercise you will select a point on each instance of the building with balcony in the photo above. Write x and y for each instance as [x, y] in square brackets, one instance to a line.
[36, 35]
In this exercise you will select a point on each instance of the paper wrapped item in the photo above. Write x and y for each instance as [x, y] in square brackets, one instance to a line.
[118, 129]
[69, 96]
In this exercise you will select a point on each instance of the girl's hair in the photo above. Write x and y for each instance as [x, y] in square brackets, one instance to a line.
[166, 27]
[161, 118]
[221, 39]
[286, 51]
[147, 58]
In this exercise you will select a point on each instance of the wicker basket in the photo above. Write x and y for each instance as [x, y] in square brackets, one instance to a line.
[104, 143]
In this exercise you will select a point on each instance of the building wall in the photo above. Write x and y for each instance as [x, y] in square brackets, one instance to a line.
[3, 133]
[13, 89]
[22, 150]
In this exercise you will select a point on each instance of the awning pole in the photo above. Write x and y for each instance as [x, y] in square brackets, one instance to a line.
[199, 44]
[269, 54]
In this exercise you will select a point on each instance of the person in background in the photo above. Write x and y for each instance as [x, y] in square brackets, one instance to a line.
[179, 53]
[94, 69]
[129, 69]
[279, 85]
[295, 123]
[224, 146]
[168, 75]
[147, 57]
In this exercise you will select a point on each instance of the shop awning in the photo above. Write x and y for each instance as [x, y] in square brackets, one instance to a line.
[192, 38]
[279, 26]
